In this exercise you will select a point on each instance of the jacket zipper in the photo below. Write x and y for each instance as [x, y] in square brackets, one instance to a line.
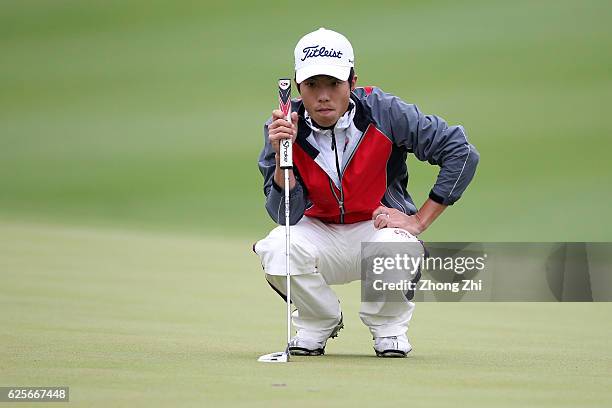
[354, 150]
[341, 199]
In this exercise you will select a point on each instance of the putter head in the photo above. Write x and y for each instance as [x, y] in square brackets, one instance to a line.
[278, 357]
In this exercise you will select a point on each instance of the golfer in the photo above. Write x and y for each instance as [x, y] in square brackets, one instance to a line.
[348, 186]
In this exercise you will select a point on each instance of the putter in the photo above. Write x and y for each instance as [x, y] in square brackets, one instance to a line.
[286, 163]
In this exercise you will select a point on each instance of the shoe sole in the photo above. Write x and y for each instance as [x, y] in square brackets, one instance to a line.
[301, 351]
[392, 353]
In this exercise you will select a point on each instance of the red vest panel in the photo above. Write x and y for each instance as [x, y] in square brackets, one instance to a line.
[364, 180]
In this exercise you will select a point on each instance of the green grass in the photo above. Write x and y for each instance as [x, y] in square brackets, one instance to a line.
[135, 319]
[129, 198]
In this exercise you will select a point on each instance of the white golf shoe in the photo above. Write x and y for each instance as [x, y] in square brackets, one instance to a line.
[305, 347]
[299, 346]
[394, 346]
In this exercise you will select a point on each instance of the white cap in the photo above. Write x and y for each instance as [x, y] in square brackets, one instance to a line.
[323, 52]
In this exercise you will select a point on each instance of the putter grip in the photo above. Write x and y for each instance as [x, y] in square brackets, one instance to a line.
[284, 104]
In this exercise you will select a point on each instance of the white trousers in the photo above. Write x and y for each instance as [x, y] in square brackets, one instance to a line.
[328, 254]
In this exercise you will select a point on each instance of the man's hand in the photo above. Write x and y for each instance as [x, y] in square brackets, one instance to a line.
[280, 128]
[385, 217]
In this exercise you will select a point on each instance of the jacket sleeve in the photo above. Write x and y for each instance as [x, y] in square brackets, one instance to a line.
[275, 196]
[430, 139]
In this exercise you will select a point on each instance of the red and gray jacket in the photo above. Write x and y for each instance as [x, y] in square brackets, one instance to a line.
[384, 129]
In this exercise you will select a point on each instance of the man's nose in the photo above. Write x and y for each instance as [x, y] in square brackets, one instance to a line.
[324, 95]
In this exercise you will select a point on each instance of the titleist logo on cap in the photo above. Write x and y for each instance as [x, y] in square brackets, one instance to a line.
[315, 51]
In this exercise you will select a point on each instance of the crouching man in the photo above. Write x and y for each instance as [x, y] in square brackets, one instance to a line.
[349, 186]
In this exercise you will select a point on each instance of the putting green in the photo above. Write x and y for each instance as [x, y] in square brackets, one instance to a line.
[134, 319]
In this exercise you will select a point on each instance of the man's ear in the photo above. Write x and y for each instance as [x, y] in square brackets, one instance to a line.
[353, 82]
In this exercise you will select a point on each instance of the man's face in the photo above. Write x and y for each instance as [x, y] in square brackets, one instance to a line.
[325, 98]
